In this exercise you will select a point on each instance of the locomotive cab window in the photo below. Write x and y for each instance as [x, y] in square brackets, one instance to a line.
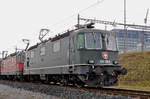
[20, 58]
[80, 41]
[93, 40]
[111, 42]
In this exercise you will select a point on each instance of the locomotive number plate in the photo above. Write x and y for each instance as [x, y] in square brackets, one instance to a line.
[105, 61]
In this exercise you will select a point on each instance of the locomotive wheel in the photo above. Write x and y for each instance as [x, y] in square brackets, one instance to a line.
[79, 85]
[63, 82]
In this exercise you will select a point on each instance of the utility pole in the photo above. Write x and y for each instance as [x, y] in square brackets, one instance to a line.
[78, 21]
[125, 30]
[145, 21]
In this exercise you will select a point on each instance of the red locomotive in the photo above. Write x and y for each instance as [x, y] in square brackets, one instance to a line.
[12, 65]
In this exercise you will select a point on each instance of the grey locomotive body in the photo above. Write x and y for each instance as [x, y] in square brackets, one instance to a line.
[82, 57]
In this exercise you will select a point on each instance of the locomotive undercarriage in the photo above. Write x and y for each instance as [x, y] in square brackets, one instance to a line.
[94, 76]
[87, 75]
[99, 76]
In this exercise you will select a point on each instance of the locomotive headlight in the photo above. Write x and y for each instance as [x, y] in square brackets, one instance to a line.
[91, 61]
[115, 62]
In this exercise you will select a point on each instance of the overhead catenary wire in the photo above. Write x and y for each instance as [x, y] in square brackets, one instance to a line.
[75, 14]
[115, 23]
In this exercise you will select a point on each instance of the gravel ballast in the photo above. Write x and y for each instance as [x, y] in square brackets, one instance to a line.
[7, 92]
[17, 90]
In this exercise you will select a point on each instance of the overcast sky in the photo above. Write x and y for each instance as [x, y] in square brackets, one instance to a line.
[24, 18]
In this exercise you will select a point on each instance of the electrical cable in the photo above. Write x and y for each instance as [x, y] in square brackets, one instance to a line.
[61, 21]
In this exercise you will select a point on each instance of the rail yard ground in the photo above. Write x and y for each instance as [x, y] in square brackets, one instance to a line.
[7, 92]
[138, 67]
[18, 90]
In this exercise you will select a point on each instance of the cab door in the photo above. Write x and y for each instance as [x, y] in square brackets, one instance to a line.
[72, 50]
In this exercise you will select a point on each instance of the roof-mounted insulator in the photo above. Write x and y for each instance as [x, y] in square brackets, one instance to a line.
[90, 25]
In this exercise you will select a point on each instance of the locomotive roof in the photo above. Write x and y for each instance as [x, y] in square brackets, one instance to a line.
[51, 39]
[12, 54]
[92, 30]
[60, 36]
[34, 46]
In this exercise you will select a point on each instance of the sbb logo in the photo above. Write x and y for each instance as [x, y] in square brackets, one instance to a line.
[105, 55]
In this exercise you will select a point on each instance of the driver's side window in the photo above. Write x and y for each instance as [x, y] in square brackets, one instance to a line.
[80, 41]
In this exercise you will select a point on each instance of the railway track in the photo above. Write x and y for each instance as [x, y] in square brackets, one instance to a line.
[122, 92]
[108, 91]
[113, 91]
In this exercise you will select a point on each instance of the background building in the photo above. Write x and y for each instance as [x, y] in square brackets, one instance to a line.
[133, 41]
